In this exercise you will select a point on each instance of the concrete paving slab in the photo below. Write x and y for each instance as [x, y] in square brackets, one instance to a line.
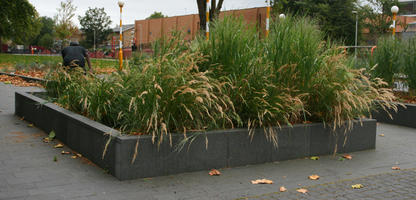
[27, 169]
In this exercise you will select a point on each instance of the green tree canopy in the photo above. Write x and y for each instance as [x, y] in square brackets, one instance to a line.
[156, 15]
[95, 20]
[334, 16]
[19, 21]
[47, 28]
[65, 28]
[46, 40]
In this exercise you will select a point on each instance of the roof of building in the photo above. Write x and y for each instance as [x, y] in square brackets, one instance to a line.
[125, 28]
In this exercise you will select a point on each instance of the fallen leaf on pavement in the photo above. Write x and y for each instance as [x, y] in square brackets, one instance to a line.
[302, 190]
[381, 135]
[357, 186]
[51, 135]
[395, 168]
[79, 155]
[283, 189]
[214, 172]
[347, 156]
[262, 181]
[30, 125]
[314, 158]
[313, 177]
[58, 146]
[65, 152]
[74, 157]
[45, 140]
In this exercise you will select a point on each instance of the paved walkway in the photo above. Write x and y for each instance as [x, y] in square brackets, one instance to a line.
[28, 171]
[399, 185]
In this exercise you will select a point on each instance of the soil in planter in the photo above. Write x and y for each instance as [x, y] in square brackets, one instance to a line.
[405, 97]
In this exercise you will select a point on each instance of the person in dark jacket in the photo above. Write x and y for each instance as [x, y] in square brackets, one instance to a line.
[73, 56]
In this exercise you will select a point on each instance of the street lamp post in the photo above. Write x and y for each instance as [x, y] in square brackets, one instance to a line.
[140, 37]
[95, 51]
[268, 18]
[120, 54]
[207, 19]
[394, 10]
[356, 33]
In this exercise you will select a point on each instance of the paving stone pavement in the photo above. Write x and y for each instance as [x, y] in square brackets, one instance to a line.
[397, 185]
[28, 170]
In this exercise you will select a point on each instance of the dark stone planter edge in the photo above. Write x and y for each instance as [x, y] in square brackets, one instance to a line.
[405, 116]
[226, 148]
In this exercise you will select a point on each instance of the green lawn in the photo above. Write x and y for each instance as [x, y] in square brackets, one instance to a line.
[9, 60]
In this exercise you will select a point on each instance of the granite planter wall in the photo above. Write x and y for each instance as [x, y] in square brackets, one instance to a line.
[226, 148]
[405, 116]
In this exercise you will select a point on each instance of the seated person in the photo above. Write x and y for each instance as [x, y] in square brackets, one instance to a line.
[73, 56]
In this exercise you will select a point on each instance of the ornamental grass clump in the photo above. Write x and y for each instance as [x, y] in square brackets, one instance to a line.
[167, 95]
[387, 59]
[235, 53]
[235, 79]
[409, 63]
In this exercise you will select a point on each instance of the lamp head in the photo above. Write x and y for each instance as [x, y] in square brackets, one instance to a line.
[282, 16]
[394, 9]
[121, 4]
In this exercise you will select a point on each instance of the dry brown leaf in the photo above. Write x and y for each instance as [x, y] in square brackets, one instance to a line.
[45, 140]
[30, 125]
[262, 181]
[58, 146]
[214, 172]
[74, 157]
[282, 189]
[65, 152]
[347, 156]
[313, 177]
[381, 135]
[79, 155]
[302, 190]
[395, 168]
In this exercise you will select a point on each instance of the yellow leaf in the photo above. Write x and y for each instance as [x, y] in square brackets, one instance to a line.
[313, 177]
[395, 168]
[214, 172]
[302, 190]
[45, 140]
[357, 186]
[381, 135]
[59, 146]
[74, 157]
[30, 125]
[283, 189]
[262, 181]
[314, 158]
[79, 155]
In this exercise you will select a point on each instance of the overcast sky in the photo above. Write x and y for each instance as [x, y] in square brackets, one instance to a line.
[137, 9]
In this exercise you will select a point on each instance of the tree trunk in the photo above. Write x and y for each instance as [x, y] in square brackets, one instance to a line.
[214, 11]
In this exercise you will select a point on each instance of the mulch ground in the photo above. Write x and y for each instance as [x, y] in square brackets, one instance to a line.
[405, 97]
[17, 81]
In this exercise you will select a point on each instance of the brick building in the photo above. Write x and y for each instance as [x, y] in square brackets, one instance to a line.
[150, 30]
